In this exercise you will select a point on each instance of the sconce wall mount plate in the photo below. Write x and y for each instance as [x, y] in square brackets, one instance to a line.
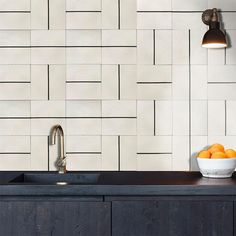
[207, 16]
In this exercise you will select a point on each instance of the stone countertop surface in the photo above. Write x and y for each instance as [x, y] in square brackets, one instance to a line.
[134, 183]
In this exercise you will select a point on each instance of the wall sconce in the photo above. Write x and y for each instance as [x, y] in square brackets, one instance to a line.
[214, 37]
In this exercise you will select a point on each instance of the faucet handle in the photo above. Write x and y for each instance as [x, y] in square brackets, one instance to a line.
[61, 162]
[61, 165]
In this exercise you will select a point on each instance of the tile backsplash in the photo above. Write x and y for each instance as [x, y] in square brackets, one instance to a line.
[128, 81]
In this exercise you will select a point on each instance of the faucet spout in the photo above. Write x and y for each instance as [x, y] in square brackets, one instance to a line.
[61, 162]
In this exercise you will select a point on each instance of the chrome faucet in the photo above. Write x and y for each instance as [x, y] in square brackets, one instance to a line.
[61, 161]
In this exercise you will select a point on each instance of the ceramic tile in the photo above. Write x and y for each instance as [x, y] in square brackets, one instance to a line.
[145, 118]
[154, 5]
[128, 155]
[109, 14]
[110, 159]
[15, 5]
[216, 119]
[83, 20]
[158, 20]
[81, 5]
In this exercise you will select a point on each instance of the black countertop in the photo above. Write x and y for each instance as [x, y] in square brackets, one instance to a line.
[124, 183]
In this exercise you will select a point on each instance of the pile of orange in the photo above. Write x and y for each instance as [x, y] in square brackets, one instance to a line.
[217, 151]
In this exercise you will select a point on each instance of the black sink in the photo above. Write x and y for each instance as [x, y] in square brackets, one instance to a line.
[55, 178]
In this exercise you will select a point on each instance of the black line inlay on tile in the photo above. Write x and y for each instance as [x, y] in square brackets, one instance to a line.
[14, 118]
[153, 82]
[154, 117]
[154, 47]
[13, 153]
[84, 81]
[48, 15]
[48, 152]
[15, 82]
[120, 117]
[118, 14]
[82, 11]
[48, 74]
[119, 153]
[221, 82]
[15, 11]
[119, 82]
[190, 108]
[225, 118]
[83, 153]
[181, 11]
[153, 153]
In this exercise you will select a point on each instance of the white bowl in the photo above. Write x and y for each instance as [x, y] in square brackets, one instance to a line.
[217, 168]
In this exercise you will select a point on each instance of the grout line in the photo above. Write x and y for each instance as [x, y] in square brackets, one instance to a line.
[154, 47]
[69, 117]
[181, 11]
[48, 15]
[154, 112]
[71, 46]
[118, 81]
[103, 117]
[48, 82]
[118, 14]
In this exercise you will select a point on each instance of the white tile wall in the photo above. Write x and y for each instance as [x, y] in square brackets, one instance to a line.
[163, 118]
[15, 5]
[83, 20]
[81, 5]
[154, 5]
[128, 81]
[145, 117]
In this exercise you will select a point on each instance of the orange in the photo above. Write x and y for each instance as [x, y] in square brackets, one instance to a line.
[216, 148]
[218, 155]
[230, 153]
[204, 154]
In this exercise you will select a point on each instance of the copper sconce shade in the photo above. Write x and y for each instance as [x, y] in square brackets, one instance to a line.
[214, 37]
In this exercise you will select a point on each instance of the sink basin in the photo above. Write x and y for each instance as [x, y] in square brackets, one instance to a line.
[58, 179]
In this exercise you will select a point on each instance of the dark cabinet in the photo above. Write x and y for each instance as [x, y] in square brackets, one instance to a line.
[131, 216]
[172, 218]
[54, 218]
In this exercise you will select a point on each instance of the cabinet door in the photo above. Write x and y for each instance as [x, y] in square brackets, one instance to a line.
[30, 218]
[172, 218]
